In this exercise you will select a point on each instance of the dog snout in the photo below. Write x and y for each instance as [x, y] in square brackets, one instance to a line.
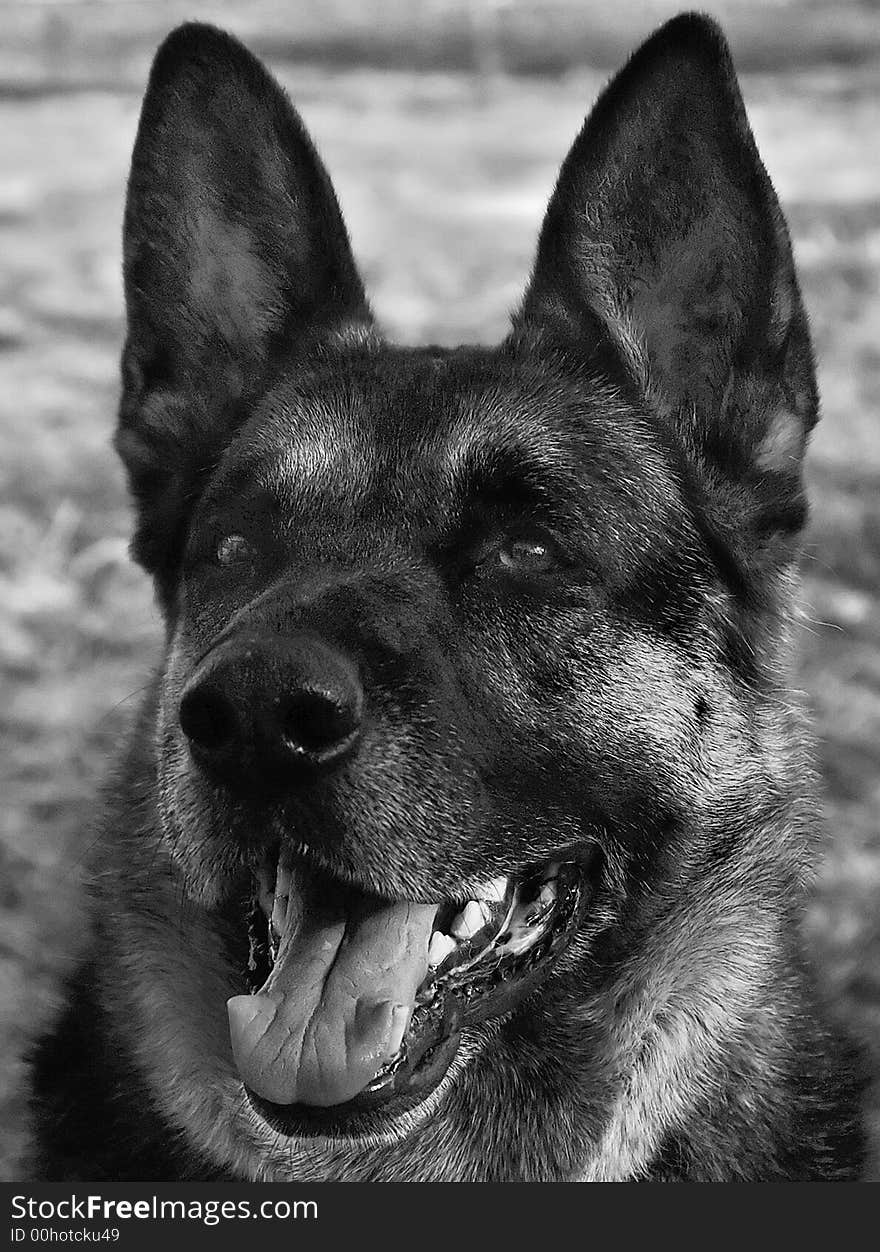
[263, 709]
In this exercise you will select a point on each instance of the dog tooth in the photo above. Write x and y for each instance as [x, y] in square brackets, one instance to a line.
[439, 948]
[266, 900]
[279, 908]
[282, 895]
[458, 927]
[471, 919]
[282, 885]
[265, 883]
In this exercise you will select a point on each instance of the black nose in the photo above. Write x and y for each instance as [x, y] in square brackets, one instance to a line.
[262, 708]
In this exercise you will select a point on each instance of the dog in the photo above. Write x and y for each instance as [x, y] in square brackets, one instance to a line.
[465, 830]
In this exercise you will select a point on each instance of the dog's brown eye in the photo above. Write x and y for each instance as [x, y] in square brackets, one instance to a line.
[527, 555]
[232, 550]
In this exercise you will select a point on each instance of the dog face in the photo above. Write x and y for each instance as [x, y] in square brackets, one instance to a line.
[471, 653]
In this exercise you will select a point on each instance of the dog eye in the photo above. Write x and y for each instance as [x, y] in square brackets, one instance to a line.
[232, 550]
[528, 554]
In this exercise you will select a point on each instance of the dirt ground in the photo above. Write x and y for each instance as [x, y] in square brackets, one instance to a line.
[443, 180]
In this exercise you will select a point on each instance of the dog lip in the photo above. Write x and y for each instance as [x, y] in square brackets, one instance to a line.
[316, 859]
[485, 887]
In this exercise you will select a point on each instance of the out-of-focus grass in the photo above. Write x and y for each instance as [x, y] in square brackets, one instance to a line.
[443, 184]
[71, 43]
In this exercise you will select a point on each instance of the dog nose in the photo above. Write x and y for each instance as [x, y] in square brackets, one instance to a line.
[261, 709]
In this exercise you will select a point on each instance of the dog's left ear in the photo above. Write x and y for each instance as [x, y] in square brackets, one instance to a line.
[664, 242]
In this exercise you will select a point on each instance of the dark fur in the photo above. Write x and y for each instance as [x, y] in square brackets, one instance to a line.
[650, 409]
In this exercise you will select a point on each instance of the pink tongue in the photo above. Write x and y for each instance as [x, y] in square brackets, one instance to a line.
[336, 1006]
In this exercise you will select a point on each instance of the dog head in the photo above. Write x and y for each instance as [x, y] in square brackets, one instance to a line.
[471, 654]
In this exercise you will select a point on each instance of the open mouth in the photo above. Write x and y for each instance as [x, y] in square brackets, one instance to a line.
[358, 1002]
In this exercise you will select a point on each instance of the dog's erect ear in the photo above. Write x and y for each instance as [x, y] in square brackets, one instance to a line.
[664, 240]
[235, 250]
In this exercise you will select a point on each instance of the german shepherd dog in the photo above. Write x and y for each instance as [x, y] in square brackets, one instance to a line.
[464, 831]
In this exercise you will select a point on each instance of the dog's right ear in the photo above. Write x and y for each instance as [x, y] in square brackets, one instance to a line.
[235, 250]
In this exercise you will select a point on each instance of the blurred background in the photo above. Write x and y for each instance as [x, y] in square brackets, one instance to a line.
[443, 123]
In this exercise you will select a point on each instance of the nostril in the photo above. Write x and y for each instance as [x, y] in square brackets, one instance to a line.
[207, 719]
[316, 724]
